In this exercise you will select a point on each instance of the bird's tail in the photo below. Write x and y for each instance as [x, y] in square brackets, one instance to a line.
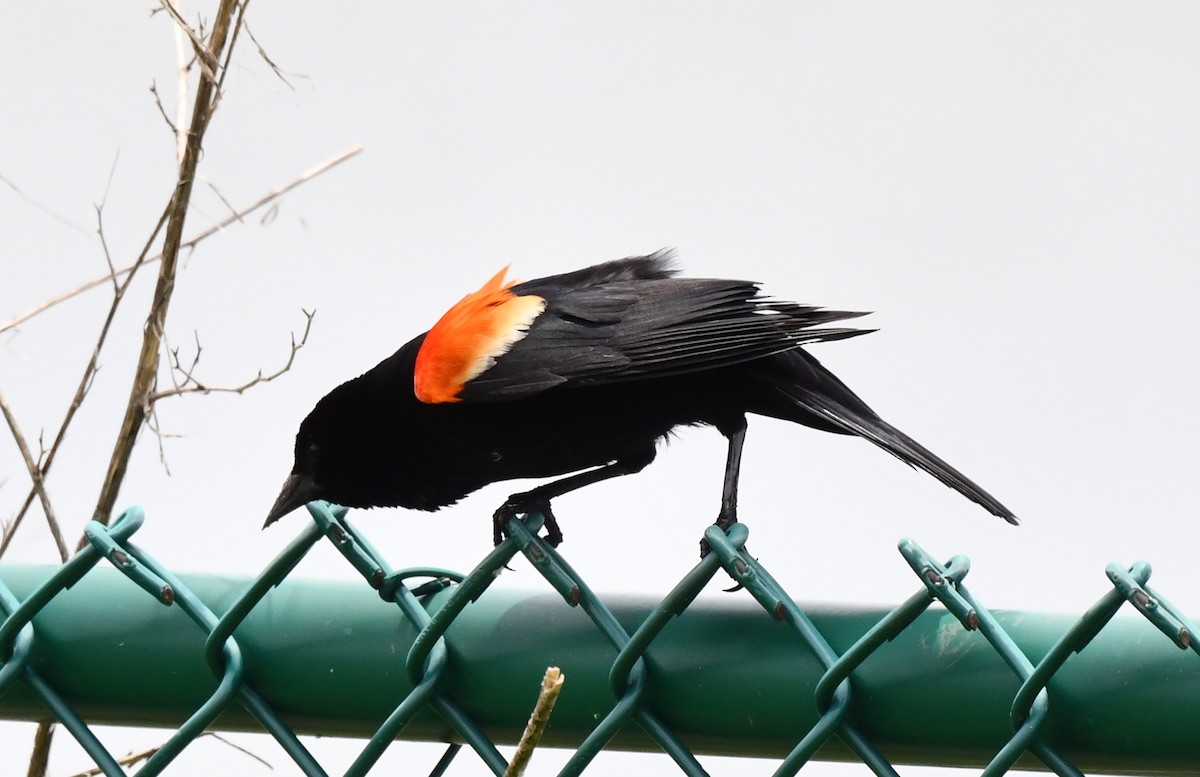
[822, 397]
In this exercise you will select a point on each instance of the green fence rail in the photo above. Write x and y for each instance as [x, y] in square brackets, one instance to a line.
[954, 685]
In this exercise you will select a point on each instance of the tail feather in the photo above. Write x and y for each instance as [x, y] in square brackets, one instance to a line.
[875, 429]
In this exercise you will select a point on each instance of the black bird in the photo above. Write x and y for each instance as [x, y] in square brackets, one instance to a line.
[581, 373]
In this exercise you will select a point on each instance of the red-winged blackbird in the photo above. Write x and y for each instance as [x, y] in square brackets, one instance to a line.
[580, 373]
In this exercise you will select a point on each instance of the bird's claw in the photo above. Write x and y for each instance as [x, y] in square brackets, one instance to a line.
[724, 521]
[523, 504]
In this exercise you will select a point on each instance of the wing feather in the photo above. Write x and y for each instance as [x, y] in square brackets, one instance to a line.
[632, 320]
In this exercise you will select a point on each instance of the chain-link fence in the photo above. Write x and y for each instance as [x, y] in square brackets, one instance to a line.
[912, 684]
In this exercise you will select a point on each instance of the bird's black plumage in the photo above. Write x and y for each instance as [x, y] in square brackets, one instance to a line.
[618, 355]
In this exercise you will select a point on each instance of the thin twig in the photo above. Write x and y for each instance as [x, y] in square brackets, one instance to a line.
[207, 58]
[191, 385]
[104, 246]
[237, 28]
[155, 428]
[270, 63]
[183, 65]
[135, 758]
[176, 365]
[130, 759]
[43, 208]
[35, 475]
[266, 199]
[551, 686]
[163, 111]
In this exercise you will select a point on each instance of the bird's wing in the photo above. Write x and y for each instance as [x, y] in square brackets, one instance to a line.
[509, 341]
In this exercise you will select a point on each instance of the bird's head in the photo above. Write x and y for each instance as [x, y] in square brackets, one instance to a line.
[303, 485]
[339, 455]
[329, 450]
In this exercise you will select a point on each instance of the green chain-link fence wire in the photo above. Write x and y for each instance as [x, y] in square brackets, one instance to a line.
[428, 668]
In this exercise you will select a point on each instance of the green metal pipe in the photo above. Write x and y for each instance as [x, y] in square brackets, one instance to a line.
[329, 657]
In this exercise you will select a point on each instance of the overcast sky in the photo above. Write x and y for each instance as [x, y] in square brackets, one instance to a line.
[1013, 188]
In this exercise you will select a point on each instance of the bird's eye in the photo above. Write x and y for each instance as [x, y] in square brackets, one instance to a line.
[312, 452]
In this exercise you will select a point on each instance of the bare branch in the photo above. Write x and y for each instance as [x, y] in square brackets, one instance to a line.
[192, 385]
[85, 382]
[146, 372]
[35, 475]
[140, 408]
[266, 199]
[39, 759]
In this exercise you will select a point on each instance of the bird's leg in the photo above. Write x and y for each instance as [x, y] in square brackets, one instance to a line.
[538, 499]
[733, 465]
[733, 468]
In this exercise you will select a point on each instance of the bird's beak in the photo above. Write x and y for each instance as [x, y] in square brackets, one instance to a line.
[297, 490]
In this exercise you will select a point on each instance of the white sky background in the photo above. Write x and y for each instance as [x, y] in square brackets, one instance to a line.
[1015, 189]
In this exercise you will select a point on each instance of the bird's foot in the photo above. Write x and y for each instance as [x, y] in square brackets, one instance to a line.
[523, 504]
[725, 519]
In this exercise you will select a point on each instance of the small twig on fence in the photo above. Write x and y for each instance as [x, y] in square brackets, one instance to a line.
[191, 385]
[266, 199]
[551, 686]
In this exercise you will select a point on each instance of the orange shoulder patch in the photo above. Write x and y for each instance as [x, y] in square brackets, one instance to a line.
[469, 338]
